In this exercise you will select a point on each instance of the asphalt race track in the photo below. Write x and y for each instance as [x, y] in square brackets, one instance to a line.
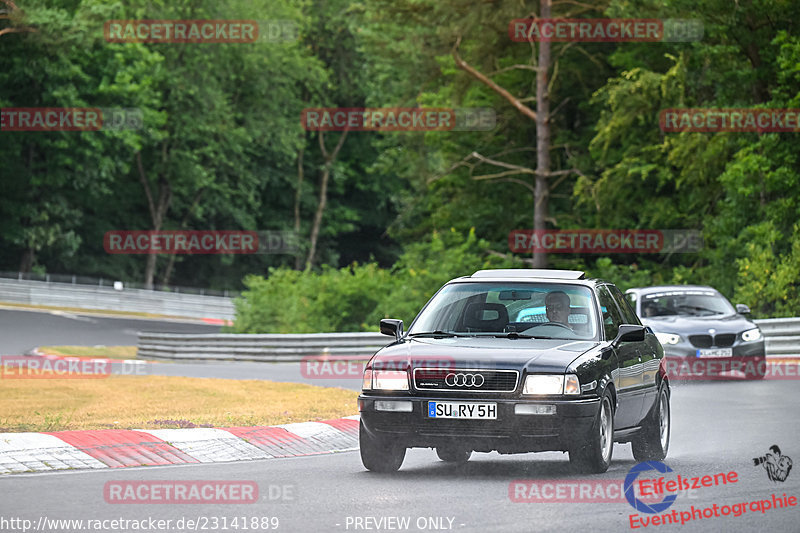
[20, 331]
[717, 427]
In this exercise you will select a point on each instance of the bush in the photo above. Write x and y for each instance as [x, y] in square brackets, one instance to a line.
[355, 298]
[768, 279]
[290, 301]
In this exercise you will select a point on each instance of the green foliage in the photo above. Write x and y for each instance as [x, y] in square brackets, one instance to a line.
[291, 301]
[623, 276]
[222, 141]
[767, 278]
[356, 297]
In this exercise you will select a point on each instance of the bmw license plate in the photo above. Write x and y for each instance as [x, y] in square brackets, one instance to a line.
[466, 410]
[715, 352]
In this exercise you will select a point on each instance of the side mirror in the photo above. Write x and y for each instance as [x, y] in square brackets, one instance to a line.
[742, 309]
[630, 333]
[392, 327]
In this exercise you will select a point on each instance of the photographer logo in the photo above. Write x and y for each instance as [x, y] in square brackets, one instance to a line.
[777, 466]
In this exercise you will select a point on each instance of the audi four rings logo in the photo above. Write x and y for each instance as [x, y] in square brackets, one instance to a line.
[463, 380]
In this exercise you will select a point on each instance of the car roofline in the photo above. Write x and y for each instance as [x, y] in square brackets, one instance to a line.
[552, 281]
[527, 273]
[659, 288]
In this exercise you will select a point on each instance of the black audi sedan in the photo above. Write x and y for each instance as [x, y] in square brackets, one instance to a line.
[517, 361]
[697, 322]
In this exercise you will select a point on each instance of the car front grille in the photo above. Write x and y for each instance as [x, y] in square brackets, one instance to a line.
[700, 341]
[467, 380]
[723, 340]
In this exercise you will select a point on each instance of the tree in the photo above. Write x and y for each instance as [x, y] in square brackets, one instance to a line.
[447, 26]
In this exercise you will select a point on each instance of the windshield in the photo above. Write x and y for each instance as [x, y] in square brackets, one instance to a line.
[539, 310]
[685, 302]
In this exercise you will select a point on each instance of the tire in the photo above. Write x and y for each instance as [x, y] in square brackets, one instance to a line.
[653, 442]
[378, 455]
[756, 369]
[452, 454]
[595, 455]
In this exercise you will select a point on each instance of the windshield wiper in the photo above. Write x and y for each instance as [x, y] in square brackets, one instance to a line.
[698, 308]
[437, 333]
[515, 335]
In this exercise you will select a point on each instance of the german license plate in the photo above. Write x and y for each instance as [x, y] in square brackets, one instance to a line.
[465, 410]
[715, 352]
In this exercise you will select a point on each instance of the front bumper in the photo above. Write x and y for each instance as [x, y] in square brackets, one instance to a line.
[685, 350]
[681, 362]
[509, 433]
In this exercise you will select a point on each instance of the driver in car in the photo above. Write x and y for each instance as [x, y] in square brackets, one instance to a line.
[557, 307]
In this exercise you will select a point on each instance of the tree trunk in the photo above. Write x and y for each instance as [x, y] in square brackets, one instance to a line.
[323, 194]
[298, 259]
[542, 192]
[26, 262]
[157, 212]
[184, 223]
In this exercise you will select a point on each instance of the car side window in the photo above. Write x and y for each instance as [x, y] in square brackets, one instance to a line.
[628, 314]
[611, 316]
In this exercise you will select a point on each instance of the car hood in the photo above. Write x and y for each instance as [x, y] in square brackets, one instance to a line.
[540, 355]
[698, 324]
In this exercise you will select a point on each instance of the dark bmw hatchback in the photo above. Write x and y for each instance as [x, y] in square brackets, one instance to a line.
[517, 361]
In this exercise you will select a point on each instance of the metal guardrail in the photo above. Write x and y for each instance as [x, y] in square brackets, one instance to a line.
[109, 298]
[74, 279]
[782, 336]
[782, 339]
[258, 347]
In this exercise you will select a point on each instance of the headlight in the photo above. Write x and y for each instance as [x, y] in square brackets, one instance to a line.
[542, 384]
[390, 379]
[751, 335]
[668, 338]
[367, 383]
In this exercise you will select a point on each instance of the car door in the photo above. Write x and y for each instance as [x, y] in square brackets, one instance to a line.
[648, 351]
[628, 380]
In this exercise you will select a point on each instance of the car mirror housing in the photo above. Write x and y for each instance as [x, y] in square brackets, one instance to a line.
[742, 309]
[630, 333]
[392, 327]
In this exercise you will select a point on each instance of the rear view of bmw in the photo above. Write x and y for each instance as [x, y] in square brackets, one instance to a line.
[517, 361]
